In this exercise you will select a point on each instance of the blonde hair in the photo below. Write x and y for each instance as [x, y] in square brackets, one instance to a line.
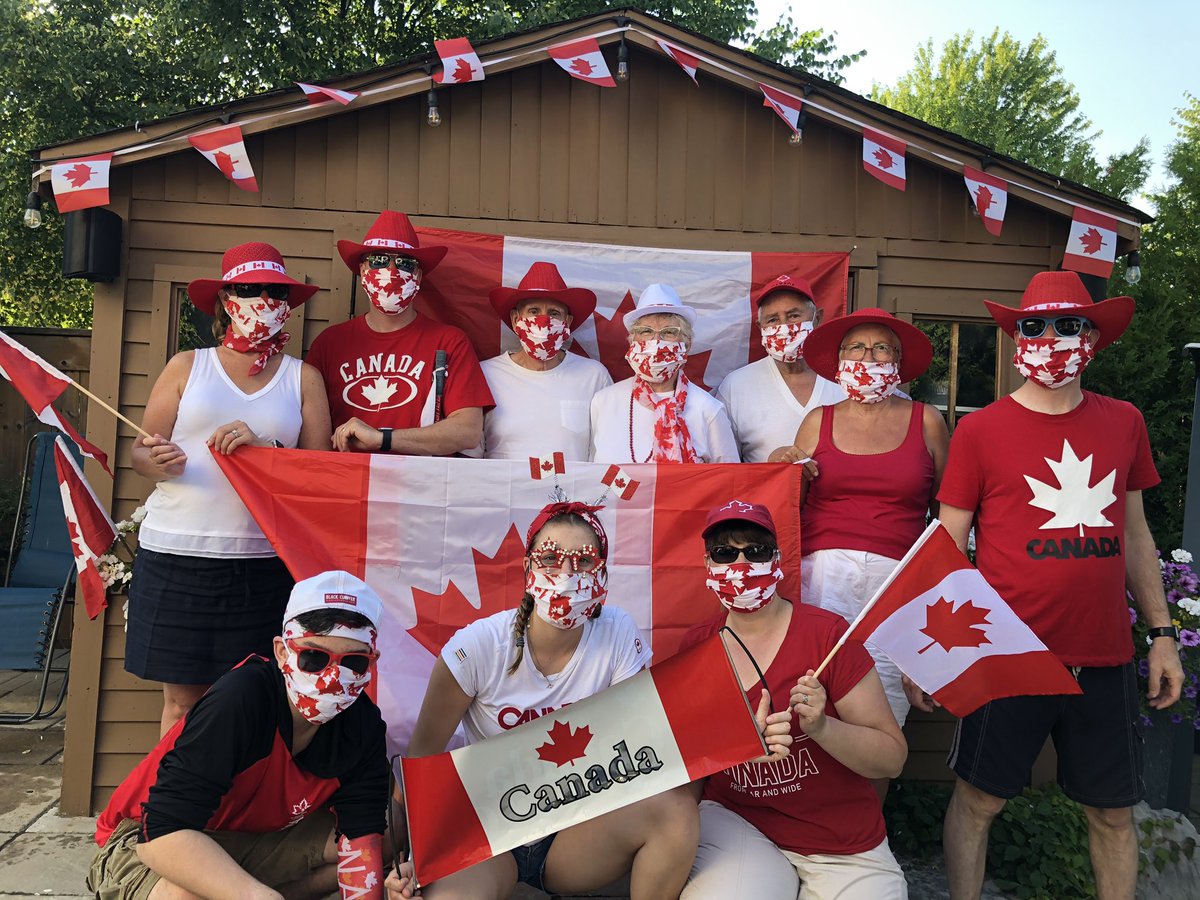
[221, 320]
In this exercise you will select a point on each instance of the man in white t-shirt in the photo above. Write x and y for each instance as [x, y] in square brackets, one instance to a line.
[768, 399]
[543, 394]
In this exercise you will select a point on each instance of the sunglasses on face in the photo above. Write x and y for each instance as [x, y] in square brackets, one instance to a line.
[723, 554]
[247, 291]
[383, 260]
[313, 661]
[1064, 326]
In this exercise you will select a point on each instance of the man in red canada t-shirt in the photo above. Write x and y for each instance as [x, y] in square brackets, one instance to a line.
[1052, 477]
[379, 368]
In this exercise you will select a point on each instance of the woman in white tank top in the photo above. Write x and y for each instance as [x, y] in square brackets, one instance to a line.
[208, 589]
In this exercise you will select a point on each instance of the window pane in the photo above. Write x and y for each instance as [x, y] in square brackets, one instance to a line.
[195, 328]
[934, 386]
[976, 367]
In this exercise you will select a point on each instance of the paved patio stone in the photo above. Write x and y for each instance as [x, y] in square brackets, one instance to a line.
[46, 864]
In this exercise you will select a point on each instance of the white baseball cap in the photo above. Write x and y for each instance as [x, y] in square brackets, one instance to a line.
[334, 590]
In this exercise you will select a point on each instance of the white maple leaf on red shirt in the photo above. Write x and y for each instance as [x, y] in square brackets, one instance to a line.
[379, 391]
[1075, 502]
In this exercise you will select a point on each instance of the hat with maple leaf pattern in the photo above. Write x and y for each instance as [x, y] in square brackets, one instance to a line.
[1053, 294]
[786, 282]
[250, 263]
[543, 282]
[824, 345]
[391, 233]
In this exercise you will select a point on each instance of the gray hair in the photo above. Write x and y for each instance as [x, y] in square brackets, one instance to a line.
[675, 319]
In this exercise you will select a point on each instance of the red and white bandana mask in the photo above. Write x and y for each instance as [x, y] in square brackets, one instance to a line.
[319, 696]
[744, 586]
[261, 321]
[785, 341]
[672, 439]
[868, 382]
[656, 361]
[1053, 361]
[566, 599]
[390, 290]
[542, 336]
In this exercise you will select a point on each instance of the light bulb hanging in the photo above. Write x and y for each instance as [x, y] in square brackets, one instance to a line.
[434, 116]
[33, 210]
[1133, 269]
[797, 137]
[622, 61]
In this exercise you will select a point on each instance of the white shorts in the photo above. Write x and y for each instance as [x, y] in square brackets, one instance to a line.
[842, 581]
[736, 861]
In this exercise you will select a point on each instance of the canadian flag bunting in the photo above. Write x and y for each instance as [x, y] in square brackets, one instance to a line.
[318, 94]
[618, 479]
[946, 629]
[583, 60]
[225, 149]
[81, 183]
[686, 61]
[883, 157]
[990, 196]
[1092, 246]
[41, 384]
[786, 105]
[544, 466]
[680, 721]
[92, 531]
[460, 62]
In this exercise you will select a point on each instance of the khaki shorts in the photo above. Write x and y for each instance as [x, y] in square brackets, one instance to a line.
[274, 858]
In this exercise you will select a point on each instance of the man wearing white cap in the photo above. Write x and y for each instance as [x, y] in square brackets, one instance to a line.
[658, 415]
[275, 782]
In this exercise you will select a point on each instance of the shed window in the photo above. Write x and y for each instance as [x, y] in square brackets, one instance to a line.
[193, 329]
[964, 374]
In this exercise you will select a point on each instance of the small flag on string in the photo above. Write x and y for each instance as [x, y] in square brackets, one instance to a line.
[583, 60]
[686, 61]
[1092, 246]
[618, 479]
[786, 105]
[92, 531]
[883, 157]
[460, 62]
[544, 466]
[81, 183]
[318, 94]
[225, 149]
[990, 196]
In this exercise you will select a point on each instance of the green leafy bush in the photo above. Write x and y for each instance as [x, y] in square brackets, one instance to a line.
[1038, 848]
[914, 811]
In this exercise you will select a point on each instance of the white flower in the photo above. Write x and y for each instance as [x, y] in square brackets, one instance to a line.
[1190, 605]
[138, 515]
[1181, 556]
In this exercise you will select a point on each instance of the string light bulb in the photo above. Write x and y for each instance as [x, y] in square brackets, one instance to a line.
[33, 210]
[622, 61]
[1133, 269]
[434, 116]
[797, 137]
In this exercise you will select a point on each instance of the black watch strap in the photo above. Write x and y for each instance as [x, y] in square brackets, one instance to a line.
[1163, 631]
[386, 446]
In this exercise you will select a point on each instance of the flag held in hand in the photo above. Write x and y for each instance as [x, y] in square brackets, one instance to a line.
[92, 531]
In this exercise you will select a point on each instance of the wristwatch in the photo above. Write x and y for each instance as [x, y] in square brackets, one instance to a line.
[386, 446]
[1162, 631]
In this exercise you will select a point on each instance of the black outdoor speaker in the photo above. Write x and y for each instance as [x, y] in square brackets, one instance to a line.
[92, 244]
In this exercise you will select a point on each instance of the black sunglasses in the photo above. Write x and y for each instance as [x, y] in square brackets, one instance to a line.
[723, 554]
[312, 661]
[383, 260]
[274, 291]
[1064, 326]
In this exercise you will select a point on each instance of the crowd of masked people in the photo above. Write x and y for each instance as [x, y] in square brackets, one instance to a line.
[271, 776]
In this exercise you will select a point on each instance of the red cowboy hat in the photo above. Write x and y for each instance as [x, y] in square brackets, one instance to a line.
[785, 282]
[1063, 294]
[542, 282]
[824, 344]
[391, 233]
[251, 263]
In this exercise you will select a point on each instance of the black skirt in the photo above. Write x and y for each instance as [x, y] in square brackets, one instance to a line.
[193, 618]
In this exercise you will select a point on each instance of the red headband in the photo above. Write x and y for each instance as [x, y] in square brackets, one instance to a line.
[585, 511]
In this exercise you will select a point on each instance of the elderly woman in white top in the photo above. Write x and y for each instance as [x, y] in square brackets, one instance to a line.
[658, 415]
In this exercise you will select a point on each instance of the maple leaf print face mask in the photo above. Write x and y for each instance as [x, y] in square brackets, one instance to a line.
[391, 290]
[257, 319]
[785, 341]
[868, 382]
[566, 599]
[1053, 361]
[319, 696]
[656, 361]
[744, 586]
[542, 336]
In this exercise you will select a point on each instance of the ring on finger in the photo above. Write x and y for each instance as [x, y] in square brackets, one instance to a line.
[234, 433]
[804, 698]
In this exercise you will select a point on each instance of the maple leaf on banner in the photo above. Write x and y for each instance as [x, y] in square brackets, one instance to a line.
[224, 162]
[79, 175]
[566, 744]
[582, 66]
[883, 158]
[1075, 502]
[983, 199]
[379, 391]
[463, 70]
[950, 627]
[1092, 241]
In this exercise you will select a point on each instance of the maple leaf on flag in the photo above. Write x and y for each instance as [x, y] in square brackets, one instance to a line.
[582, 66]
[883, 159]
[566, 744]
[1092, 241]
[379, 391]
[547, 466]
[1075, 502]
[463, 70]
[983, 199]
[225, 163]
[950, 627]
[79, 175]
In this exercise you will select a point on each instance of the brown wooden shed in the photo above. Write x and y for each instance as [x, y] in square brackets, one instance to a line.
[657, 162]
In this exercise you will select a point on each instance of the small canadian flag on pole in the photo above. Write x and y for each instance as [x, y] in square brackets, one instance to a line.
[583, 60]
[990, 196]
[618, 479]
[92, 531]
[544, 466]
[225, 149]
[1092, 246]
[686, 61]
[81, 183]
[883, 157]
[787, 105]
[318, 94]
[460, 62]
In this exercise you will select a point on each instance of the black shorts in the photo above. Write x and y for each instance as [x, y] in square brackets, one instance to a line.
[531, 862]
[1095, 735]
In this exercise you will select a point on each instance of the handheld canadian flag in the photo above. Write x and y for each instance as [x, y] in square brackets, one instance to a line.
[787, 105]
[681, 720]
[990, 196]
[948, 631]
[583, 60]
[460, 62]
[618, 479]
[686, 61]
[543, 466]
[883, 157]
[92, 531]
[41, 384]
[1092, 246]
[225, 149]
[81, 183]
[318, 94]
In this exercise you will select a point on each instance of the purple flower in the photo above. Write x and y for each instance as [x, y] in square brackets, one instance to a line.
[1146, 723]
[1132, 616]
[1189, 638]
[1143, 668]
[1174, 596]
[1189, 691]
[1196, 725]
[1193, 678]
[1176, 718]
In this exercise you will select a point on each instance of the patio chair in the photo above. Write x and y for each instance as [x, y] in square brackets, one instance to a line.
[38, 580]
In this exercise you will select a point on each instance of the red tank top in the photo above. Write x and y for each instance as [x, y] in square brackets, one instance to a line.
[874, 502]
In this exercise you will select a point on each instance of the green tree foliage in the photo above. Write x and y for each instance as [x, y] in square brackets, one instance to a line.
[1014, 99]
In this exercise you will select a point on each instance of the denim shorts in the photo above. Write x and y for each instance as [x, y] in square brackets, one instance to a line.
[531, 861]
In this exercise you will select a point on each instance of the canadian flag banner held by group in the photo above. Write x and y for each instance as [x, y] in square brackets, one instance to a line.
[460, 62]
[442, 541]
[1092, 245]
[92, 531]
[990, 196]
[883, 157]
[677, 722]
[225, 149]
[80, 183]
[583, 60]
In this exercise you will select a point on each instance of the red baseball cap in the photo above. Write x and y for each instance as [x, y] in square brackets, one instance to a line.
[785, 282]
[740, 511]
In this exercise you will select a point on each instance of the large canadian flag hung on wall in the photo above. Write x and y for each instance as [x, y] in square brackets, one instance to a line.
[717, 284]
[442, 541]
[1092, 245]
[225, 149]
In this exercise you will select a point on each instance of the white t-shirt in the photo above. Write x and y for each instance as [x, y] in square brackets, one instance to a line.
[764, 412]
[707, 422]
[610, 650]
[539, 413]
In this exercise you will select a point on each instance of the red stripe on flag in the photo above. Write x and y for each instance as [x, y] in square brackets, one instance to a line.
[85, 198]
[1087, 217]
[1088, 265]
[95, 598]
[828, 274]
[1009, 675]
[456, 292]
[435, 797]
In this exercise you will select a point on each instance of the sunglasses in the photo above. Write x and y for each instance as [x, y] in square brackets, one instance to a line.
[383, 260]
[274, 291]
[723, 554]
[1064, 326]
[313, 661]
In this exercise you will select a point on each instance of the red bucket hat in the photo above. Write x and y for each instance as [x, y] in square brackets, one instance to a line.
[391, 232]
[823, 345]
[739, 511]
[251, 263]
[1062, 293]
[543, 282]
[785, 282]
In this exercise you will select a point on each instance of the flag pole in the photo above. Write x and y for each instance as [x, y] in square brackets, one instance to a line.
[131, 424]
[887, 582]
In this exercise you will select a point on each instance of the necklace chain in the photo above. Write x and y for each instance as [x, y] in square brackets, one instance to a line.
[632, 455]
